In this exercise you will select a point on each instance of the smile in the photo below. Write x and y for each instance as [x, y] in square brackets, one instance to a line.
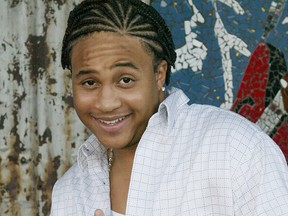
[112, 122]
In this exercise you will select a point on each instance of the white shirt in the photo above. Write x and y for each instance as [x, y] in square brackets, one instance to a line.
[116, 214]
[191, 160]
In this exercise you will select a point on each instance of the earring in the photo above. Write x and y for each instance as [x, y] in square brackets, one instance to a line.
[163, 88]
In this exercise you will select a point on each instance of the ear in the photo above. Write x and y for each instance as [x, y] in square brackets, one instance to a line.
[161, 74]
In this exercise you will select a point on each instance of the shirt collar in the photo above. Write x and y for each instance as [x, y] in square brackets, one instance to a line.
[170, 106]
[93, 150]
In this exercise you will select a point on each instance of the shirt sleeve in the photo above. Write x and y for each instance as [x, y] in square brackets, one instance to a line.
[260, 178]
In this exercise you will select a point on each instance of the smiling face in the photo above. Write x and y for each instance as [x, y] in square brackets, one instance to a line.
[115, 87]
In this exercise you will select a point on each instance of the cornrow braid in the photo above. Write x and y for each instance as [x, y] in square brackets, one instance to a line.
[127, 17]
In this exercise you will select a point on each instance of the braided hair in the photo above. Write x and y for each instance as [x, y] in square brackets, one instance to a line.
[126, 17]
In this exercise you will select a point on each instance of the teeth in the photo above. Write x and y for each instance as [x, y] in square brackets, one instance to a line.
[112, 122]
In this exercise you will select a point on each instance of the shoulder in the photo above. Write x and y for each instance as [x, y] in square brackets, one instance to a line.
[69, 178]
[241, 137]
[214, 118]
[64, 188]
[179, 112]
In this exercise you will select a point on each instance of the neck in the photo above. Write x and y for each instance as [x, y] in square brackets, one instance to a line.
[120, 174]
[123, 159]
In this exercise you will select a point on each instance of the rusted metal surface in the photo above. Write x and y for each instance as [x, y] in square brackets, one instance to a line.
[39, 130]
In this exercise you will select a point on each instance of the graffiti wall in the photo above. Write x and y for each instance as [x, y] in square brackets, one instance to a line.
[231, 54]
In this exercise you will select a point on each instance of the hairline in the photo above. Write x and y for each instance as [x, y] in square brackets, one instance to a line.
[155, 59]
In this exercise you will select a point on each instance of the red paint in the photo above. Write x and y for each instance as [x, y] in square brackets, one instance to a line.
[250, 101]
[281, 137]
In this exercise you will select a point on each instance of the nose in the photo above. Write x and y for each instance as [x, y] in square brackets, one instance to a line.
[107, 99]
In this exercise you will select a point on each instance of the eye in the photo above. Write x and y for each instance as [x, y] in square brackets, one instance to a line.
[126, 80]
[89, 83]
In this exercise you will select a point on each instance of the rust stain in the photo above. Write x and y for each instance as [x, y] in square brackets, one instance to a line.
[18, 145]
[39, 61]
[2, 119]
[3, 46]
[14, 71]
[2, 190]
[53, 54]
[52, 81]
[13, 186]
[68, 99]
[37, 160]
[21, 163]
[15, 3]
[46, 137]
[46, 186]
[58, 2]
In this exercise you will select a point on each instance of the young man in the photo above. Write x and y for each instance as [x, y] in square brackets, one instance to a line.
[150, 152]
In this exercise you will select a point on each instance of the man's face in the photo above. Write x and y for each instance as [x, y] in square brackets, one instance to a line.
[115, 88]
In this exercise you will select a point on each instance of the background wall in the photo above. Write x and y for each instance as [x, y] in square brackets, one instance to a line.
[39, 130]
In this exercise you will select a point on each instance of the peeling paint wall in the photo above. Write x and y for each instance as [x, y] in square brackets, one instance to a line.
[38, 126]
[39, 129]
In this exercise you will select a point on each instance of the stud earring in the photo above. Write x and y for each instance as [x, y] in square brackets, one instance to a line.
[163, 88]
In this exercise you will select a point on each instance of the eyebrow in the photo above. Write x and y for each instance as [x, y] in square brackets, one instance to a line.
[125, 64]
[85, 72]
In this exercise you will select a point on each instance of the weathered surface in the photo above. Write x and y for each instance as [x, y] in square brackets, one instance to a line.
[38, 126]
[39, 130]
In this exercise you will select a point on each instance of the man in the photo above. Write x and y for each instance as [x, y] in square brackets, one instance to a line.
[150, 152]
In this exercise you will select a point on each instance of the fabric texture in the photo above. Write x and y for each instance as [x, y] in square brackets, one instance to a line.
[191, 160]
[116, 214]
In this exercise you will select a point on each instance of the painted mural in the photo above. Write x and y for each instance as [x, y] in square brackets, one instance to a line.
[231, 54]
